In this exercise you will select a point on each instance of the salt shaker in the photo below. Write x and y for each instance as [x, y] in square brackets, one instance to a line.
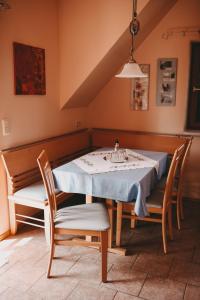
[116, 145]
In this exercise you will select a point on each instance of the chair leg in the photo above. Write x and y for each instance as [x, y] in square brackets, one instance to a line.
[119, 224]
[12, 213]
[51, 255]
[170, 222]
[164, 234]
[104, 252]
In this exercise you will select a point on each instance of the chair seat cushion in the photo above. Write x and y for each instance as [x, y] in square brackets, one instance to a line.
[91, 216]
[155, 199]
[35, 191]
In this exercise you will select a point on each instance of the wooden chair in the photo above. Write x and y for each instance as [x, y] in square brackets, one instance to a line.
[158, 203]
[86, 219]
[178, 183]
[178, 187]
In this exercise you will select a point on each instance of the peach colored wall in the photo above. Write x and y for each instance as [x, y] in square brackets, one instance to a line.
[111, 107]
[88, 29]
[33, 22]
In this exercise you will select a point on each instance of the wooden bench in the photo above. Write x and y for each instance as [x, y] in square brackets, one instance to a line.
[25, 186]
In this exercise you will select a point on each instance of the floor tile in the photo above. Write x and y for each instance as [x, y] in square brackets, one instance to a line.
[122, 296]
[125, 279]
[121, 259]
[84, 291]
[178, 250]
[14, 294]
[162, 289]
[153, 264]
[21, 276]
[87, 269]
[144, 242]
[60, 264]
[192, 293]
[54, 288]
[3, 288]
[185, 272]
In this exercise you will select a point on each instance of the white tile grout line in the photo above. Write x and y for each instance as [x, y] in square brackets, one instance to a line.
[3, 261]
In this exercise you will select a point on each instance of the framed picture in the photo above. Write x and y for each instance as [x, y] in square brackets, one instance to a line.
[166, 81]
[29, 70]
[140, 90]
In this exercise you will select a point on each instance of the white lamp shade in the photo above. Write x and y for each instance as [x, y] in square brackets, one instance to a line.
[131, 70]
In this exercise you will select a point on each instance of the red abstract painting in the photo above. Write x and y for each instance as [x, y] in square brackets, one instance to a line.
[29, 70]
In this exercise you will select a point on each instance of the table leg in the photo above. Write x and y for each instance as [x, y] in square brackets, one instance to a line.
[133, 220]
[88, 199]
[109, 204]
[119, 224]
[118, 249]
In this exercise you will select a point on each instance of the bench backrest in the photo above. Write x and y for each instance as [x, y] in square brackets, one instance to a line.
[136, 140]
[21, 162]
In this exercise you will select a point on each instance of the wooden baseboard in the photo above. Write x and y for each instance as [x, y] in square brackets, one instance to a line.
[4, 235]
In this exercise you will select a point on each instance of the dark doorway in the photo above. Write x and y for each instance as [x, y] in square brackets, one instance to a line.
[193, 110]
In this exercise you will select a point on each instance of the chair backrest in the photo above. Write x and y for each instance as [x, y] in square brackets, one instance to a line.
[177, 157]
[184, 160]
[47, 176]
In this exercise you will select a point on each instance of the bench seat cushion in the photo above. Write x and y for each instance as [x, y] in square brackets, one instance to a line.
[156, 199]
[35, 192]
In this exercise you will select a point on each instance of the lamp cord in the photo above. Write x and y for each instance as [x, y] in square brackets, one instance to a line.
[134, 28]
[134, 11]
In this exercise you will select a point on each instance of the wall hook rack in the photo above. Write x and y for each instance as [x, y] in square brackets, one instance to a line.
[181, 32]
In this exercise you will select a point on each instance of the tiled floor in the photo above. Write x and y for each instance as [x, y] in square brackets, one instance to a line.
[144, 274]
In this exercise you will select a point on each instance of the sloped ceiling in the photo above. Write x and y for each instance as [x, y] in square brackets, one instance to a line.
[149, 18]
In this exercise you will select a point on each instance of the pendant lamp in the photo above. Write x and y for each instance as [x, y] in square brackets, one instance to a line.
[132, 69]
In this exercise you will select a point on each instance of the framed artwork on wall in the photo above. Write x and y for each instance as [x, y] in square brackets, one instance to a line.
[140, 90]
[29, 70]
[166, 81]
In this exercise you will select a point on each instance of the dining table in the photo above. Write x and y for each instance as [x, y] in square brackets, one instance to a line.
[128, 175]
